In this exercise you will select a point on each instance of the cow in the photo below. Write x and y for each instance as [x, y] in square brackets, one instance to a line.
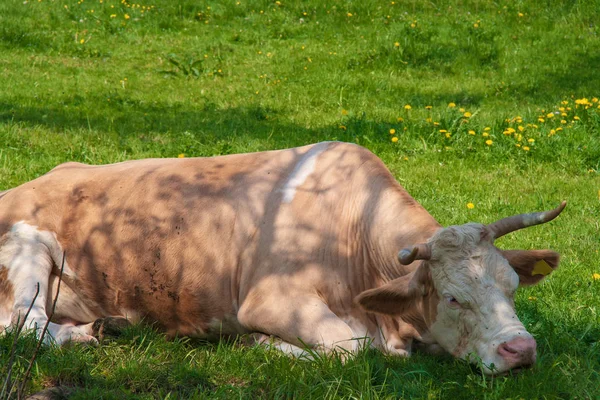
[315, 248]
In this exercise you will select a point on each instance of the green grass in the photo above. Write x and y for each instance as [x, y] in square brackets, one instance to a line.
[183, 78]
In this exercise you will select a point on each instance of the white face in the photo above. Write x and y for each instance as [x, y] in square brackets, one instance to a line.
[476, 318]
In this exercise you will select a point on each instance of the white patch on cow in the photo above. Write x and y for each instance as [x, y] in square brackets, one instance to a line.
[132, 316]
[301, 171]
[30, 254]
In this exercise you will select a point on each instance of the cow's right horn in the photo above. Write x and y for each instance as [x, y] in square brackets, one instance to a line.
[418, 252]
[516, 222]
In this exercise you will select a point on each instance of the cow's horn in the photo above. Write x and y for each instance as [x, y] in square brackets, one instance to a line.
[418, 252]
[516, 222]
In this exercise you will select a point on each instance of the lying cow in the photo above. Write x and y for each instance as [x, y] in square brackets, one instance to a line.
[299, 245]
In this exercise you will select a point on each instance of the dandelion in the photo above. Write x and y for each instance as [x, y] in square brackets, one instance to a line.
[428, 107]
[489, 142]
[576, 118]
[526, 148]
[342, 127]
[596, 276]
[392, 131]
[451, 105]
[397, 44]
[400, 119]
[467, 115]
[520, 14]
[550, 115]
[395, 139]
[475, 25]
[443, 131]
[412, 25]
[470, 206]
[448, 134]
[113, 15]
[436, 123]
[471, 132]
[407, 107]
[126, 16]
[344, 112]
[487, 129]
[541, 120]
[485, 134]
[181, 155]
[532, 298]
[82, 41]
[349, 14]
[462, 110]
[531, 140]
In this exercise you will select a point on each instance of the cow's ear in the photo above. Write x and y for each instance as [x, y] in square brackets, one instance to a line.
[399, 295]
[532, 265]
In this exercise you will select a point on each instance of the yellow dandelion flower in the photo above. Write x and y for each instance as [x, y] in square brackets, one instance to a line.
[407, 107]
[400, 119]
[344, 112]
[485, 134]
[451, 105]
[113, 15]
[82, 41]
[559, 129]
[530, 140]
[526, 148]
[487, 129]
[520, 14]
[342, 127]
[475, 26]
[428, 107]
[462, 110]
[519, 137]
[181, 155]
[489, 142]
[470, 206]
[392, 131]
[395, 139]
[576, 118]
[349, 14]
[428, 120]
[595, 100]
[467, 114]
[436, 123]
[562, 121]
[532, 298]
[550, 115]
[518, 144]
[126, 16]
[448, 134]
[541, 120]
[596, 276]
[397, 44]
[564, 102]
[412, 25]
[443, 131]
[471, 132]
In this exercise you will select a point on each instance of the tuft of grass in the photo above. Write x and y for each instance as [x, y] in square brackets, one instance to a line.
[106, 81]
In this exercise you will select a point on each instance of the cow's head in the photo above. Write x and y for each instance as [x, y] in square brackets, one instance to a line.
[465, 287]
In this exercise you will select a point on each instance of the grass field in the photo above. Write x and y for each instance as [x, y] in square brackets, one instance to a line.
[481, 109]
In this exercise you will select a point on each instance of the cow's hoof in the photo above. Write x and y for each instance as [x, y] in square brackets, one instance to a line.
[53, 393]
[109, 327]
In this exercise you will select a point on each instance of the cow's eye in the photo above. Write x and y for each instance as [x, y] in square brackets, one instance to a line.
[451, 301]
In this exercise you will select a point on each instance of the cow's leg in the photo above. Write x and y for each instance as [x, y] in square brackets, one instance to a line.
[26, 253]
[300, 321]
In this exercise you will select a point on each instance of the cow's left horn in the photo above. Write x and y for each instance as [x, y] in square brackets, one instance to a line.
[516, 222]
[418, 252]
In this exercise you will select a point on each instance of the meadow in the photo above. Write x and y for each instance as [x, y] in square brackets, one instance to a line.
[481, 109]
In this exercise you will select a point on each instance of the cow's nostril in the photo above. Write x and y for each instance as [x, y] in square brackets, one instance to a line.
[518, 352]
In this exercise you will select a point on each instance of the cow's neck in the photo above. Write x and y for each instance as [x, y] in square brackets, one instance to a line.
[398, 222]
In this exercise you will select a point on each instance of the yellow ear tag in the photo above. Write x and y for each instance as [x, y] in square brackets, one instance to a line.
[541, 268]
